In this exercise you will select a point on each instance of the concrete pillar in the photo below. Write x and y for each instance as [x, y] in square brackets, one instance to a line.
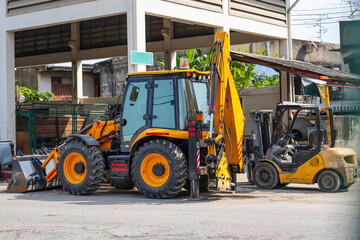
[7, 82]
[225, 27]
[136, 33]
[77, 77]
[286, 82]
[169, 55]
[77, 74]
[75, 40]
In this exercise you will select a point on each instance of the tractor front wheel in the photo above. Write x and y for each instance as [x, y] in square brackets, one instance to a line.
[159, 169]
[80, 168]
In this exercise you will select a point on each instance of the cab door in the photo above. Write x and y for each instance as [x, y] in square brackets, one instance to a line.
[135, 108]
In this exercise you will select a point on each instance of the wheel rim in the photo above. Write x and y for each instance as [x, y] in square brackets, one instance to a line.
[264, 176]
[75, 168]
[155, 164]
[328, 182]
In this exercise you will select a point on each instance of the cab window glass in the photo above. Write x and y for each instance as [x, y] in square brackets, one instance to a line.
[164, 104]
[202, 100]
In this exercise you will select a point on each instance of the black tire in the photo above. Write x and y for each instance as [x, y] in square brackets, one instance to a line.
[329, 181]
[176, 176]
[94, 168]
[265, 176]
[248, 170]
[204, 184]
[125, 184]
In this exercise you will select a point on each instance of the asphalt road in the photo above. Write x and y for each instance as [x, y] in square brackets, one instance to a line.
[293, 212]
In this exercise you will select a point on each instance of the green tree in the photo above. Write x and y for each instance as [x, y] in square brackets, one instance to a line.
[31, 95]
[244, 74]
[197, 60]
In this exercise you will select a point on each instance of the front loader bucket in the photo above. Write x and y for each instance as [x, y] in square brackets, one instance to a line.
[28, 175]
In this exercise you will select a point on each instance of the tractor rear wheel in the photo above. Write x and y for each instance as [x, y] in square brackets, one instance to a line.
[125, 184]
[265, 176]
[159, 169]
[329, 181]
[80, 168]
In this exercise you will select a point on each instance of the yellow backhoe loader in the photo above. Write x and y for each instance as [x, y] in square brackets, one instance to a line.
[171, 132]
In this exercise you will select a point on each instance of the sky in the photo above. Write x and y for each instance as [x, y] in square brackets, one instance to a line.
[307, 14]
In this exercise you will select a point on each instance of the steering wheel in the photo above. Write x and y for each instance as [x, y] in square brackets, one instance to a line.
[288, 136]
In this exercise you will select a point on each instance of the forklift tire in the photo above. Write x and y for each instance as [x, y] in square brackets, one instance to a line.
[125, 184]
[80, 168]
[265, 175]
[329, 181]
[159, 169]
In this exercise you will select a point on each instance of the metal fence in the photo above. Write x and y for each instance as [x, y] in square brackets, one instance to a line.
[34, 113]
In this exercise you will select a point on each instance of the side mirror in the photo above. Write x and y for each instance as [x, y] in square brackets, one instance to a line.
[123, 122]
[111, 106]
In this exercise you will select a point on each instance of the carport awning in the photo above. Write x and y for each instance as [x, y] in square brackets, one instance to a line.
[298, 67]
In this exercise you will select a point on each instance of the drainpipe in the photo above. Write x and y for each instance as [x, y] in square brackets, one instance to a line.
[288, 20]
[291, 88]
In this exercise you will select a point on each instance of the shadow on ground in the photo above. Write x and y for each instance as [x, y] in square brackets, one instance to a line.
[107, 195]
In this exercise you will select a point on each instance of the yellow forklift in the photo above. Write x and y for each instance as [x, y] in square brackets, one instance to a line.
[174, 129]
[299, 149]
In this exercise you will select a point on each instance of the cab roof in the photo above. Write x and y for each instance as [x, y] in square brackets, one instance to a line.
[189, 71]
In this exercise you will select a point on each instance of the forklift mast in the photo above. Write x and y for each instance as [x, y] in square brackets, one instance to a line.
[261, 128]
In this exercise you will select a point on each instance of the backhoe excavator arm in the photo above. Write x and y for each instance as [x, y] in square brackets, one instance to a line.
[226, 115]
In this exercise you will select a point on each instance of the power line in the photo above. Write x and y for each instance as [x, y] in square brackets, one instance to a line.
[319, 9]
[306, 19]
[329, 13]
[315, 23]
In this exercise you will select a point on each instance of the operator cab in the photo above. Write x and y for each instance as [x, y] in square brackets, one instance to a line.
[299, 134]
[163, 100]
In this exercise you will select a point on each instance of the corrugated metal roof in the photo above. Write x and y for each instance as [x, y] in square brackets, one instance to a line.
[298, 67]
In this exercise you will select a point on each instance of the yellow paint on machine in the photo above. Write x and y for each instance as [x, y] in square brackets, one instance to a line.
[228, 104]
[305, 173]
[167, 133]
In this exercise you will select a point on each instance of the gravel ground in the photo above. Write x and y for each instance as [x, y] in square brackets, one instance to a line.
[292, 212]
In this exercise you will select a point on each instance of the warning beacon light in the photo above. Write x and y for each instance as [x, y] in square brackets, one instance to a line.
[184, 63]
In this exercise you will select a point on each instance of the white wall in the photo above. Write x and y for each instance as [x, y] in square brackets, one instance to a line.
[262, 98]
[88, 85]
[44, 81]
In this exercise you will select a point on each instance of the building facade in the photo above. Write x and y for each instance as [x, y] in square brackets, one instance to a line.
[55, 31]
